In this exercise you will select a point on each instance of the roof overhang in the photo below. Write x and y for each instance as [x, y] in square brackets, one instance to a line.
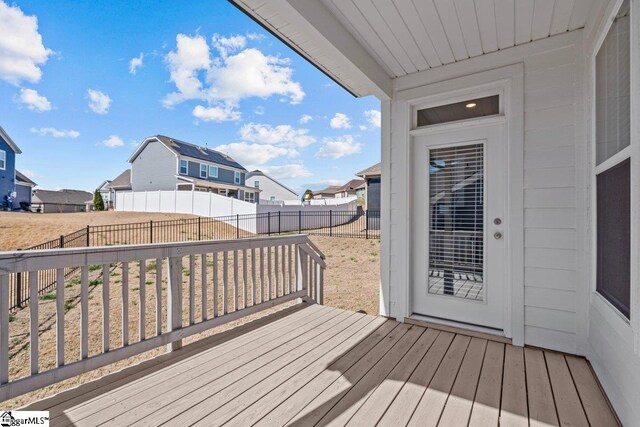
[144, 145]
[9, 141]
[214, 184]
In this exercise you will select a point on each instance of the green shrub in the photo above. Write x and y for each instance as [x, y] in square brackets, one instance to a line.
[48, 297]
[98, 203]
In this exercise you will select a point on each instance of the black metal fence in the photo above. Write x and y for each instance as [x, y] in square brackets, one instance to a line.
[350, 224]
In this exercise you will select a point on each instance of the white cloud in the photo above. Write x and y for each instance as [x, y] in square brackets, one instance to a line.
[99, 102]
[291, 171]
[259, 110]
[113, 141]
[236, 73]
[33, 100]
[373, 118]
[339, 147]
[340, 121]
[305, 119]
[284, 135]
[21, 49]
[252, 155]
[136, 63]
[56, 133]
[216, 114]
[29, 173]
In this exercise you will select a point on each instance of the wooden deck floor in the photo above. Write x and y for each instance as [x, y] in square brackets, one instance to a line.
[323, 366]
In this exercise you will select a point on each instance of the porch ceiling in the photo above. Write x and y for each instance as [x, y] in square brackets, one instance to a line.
[402, 37]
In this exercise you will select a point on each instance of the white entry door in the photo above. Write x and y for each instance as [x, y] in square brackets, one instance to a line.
[459, 195]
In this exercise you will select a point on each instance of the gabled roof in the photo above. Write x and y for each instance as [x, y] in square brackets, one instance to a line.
[332, 189]
[182, 148]
[122, 181]
[22, 179]
[351, 185]
[9, 141]
[375, 170]
[62, 197]
[258, 172]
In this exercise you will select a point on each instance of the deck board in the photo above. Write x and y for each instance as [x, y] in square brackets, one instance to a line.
[325, 366]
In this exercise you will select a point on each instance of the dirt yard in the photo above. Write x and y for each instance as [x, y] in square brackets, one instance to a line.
[21, 229]
[351, 282]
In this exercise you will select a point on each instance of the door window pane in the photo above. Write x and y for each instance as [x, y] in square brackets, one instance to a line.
[456, 237]
[613, 105]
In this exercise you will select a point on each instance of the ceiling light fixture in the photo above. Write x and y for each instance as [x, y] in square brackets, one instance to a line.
[471, 105]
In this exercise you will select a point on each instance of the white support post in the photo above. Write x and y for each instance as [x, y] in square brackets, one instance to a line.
[302, 275]
[4, 328]
[174, 300]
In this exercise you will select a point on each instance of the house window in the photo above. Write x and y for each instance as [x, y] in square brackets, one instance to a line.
[184, 167]
[272, 198]
[203, 171]
[249, 197]
[213, 171]
[256, 184]
[3, 160]
[236, 177]
[613, 164]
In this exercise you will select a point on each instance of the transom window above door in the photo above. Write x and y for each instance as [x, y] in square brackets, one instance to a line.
[463, 110]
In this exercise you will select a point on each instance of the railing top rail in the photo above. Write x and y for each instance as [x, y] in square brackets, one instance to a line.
[19, 261]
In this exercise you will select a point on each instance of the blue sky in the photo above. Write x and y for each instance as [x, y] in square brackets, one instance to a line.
[77, 105]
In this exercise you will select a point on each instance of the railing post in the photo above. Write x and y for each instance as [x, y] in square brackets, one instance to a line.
[302, 274]
[88, 236]
[238, 226]
[269, 223]
[300, 222]
[199, 228]
[279, 223]
[330, 222]
[174, 299]
[319, 284]
[151, 231]
[18, 289]
[4, 328]
[366, 225]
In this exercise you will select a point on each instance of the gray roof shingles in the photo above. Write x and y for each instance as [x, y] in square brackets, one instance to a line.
[197, 152]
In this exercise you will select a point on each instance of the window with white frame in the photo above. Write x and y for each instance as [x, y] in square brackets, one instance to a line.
[184, 167]
[236, 177]
[256, 184]
[213, 171]
[203, 170]
[612, 163]
[249, 197]
[3, 160]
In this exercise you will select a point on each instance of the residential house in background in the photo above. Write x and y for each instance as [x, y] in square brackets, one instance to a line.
[371, 176]
[24, 189]
[327, 193]
[8, 151]
[62, 201]
[271, 190]
[349, 189]
[120, 183]
[105, 192]
[164, 163]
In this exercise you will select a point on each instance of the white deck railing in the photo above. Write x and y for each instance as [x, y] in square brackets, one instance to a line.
[236, 278]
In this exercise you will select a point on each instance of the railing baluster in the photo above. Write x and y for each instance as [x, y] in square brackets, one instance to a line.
[105, 308]
[302, 269]
[59, 317]
[320, 285]
[192, 289]
[33, 320]
[215, 284]
[253, 276]
[276, 262]
[261, 296]
[235, 280]
[174, 299]
[203, 279]
[268, 273]
[142, 303]
[244, 278]
[4, 328]
[84, 312]
[125, 304]
[158, 296]
[284, 270]
[290, 259]
[225, 282]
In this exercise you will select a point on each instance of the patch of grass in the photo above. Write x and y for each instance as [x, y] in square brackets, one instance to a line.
[149, 282]
[95, 282]
[48, 297]
[114, 273]
[75, 281]
[118, 281]
[151, 266]
[135, 289]
[95, 267]
[186, 273]
[69, 305]
[12, 317]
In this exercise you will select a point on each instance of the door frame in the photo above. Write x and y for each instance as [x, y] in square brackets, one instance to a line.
[508, 82]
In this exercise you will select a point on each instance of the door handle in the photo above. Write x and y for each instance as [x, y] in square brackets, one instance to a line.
[497, 235]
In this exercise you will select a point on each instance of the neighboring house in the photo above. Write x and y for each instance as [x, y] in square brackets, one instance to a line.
[8, 151]
[271, 191]
[120, 183]
[62, 201]
[349, 189]
[327, 193]
[105, 192]
[164, 163]
[24, 188]
[371, 175]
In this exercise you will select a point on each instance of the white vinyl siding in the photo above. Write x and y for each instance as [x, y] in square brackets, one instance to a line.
[203, 170]
[213, 171]
[3, 160]
[184, 167]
